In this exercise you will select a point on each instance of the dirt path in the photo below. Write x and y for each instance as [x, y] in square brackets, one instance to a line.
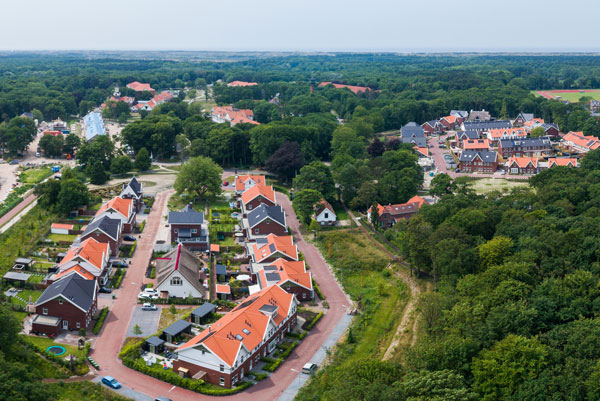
[402, 335]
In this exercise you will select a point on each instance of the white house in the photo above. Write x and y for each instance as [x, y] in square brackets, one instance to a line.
[179, 275]
[325, 214]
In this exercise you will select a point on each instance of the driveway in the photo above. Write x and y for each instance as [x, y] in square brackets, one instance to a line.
[146, 319]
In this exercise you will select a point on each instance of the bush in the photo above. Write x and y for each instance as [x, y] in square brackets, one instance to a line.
[153, 272]
[259, 376]
[312, 323]
[318, 290]
[100, 321]
[271, 364]
[299, 336]
[117, 279]
[132, 250]
[142, 226]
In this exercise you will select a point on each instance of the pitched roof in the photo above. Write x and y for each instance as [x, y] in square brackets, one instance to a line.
[468, 135]
[240, 181]
[262, 212]
[418, 141]
[90, 250]
[183, 261]
[412, 130]
[459, 113]
[587, 142]
[322, 205]
[266, 192]
[281, 271]
[223, 289]
[246, 325]
[486, 125]
[204, 310]
[177, 327]
[479, 115]
[242, 83]
[233, 115]
[431, 123]
[422, 150]
[485, 156]
[110, 227]
[526, 116]
[522, 162]
[498, 133]
[76, 269]
[122, 206]
[469, 144]
[139, 87]
[79, 291]
[355, 89]
[562, 161]
[542, 141]
[62, 226]
[135, 185]
[265, 247]
[449, 119]
[187, 216]
[411, 206]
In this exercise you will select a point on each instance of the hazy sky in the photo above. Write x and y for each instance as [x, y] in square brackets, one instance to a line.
[322, 25]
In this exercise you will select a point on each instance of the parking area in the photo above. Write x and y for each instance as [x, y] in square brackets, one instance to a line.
[146, 319]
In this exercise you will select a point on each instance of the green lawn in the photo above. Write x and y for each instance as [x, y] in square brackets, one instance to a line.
[87, 391]
[573, 97]
[62, 237]
[485, 185]
[35, 279]
[35, 175]
[46, 342]
[25, 294]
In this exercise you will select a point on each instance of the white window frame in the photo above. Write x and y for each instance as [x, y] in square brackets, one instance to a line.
[45, 311]
[221, 381]
[176, 281]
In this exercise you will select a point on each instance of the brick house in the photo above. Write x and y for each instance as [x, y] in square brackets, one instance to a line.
[231, 347]
[245, 182]
[522, 118]
[580, 143]
[119, 208]
[389, 215]
[134, 190]
[496, 135]
[67, 304]
[462, 136]
[476, 144]
[484, 126]
[522, 165]
[525, 147]
[105, 230]
[264, 220]
[432, 127]
[450, 122]
[257, 195]
[562, 161]
[482, 115]
[289, 275]
[179, 274]
[551, 130]
[91, 256]
[325, 213]
[472, 161]
[271, 248]
[188, 228]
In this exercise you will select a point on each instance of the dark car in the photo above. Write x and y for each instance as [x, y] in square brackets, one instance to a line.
[105, 290]
[129, 238]
[457, 170]
[14, 161]
[120, 263]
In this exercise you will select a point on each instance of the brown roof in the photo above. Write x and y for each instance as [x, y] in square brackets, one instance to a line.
[184, 261]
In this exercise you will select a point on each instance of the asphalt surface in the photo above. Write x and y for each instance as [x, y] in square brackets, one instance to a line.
[146, 319]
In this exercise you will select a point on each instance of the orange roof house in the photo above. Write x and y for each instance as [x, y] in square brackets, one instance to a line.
[496, 134]
[291, 275]
[391, 214]
[258, 193]
[119, 208]
[76, 269]
[272, 247]
[355, 89]
[226, 346]
[245, 182]
[90, 255]
[140, 87]
[476, 144]
[241, 83]
[522, 165]
[233, 116]
[580, 143]
[223, 289]
[562, 161]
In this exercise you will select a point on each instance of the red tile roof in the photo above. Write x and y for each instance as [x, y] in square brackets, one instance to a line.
[90, 250]
[140, 87]
[475, 144]
[62, 226]
[501, 133]
[265, 191]
[294, 271]
[586, 142]
[355, 89]
[412, 205]
[223, 289]
[77, 269]
[282, 244]
[522, 162]
[240, 181]
[562, 161]
[241, 83]
[120, 205]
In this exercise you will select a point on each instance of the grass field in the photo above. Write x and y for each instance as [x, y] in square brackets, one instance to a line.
[62, 237]
[35, 175]
[167, 318]
[485, 185]
[572, 96]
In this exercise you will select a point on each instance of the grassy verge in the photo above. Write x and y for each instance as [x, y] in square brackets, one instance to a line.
[35, 175]
[45, 342]
[62, 237]
[361, 268]
[167, 318]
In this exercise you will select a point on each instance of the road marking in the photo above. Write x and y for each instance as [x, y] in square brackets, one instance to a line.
[172, 388]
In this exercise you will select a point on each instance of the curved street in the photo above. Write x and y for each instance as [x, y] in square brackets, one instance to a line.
[111, 337]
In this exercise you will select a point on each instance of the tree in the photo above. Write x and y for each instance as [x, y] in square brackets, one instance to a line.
[137, 330]
[304, 202]
[183, 143]
[199, 176]
[395, 187]
[429, 307]
[499, 371]
[286, 161]
[376, 148]
[37, 115]
[374, 214]
[365, 197]
[17, 134]
[73, 193]
[72, 142]
[47, 193]
[441, 385]
[442, 185]
[495, 251]
[52, 145]
[591, 161]
[142, 160]
[317, 176]
[537, 132]
[101, 149]
[96, 172]
[172, 309]
[121, 165]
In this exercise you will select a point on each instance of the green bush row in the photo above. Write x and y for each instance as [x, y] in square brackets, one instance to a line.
[117, 279]
[100, 321]
[314, 321]
[132, 250]
[271, 364]
[299, 336]
[142, 226]
[318, 290]
[153, 272]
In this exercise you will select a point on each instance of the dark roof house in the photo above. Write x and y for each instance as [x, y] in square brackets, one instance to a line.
[106, 225]
[187, 216]
[486, 125]
[179, 273]
[203, 311]
[176, 329]
[467, 156]
[412, 129]
[419, 141]
[74, 289]
[264, 212]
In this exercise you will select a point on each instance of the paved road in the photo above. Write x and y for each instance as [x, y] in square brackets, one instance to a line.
[15, 210]
[112, 335]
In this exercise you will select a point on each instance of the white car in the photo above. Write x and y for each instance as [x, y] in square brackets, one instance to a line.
[148, 306]
[309, 368]
[148, 293]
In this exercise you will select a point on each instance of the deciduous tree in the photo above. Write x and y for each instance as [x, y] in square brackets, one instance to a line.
[200, 177]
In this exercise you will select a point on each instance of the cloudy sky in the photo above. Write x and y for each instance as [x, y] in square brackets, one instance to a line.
[301, 25]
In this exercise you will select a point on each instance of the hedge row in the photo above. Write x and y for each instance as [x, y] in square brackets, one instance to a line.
[298, 336]
[142, 226]
[100, 321]
[314, 321]
[132, 250]
[271, 363]
[118, 278]
[318, 290]
[192, 301]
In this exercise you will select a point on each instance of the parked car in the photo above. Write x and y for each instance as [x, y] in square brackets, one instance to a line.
[111, 382]
[457, 170]
[120, 263]
[309, 368]
[148, 293]
[148, 306]
[14, 161]
[162, 399]
[225, 183]
[129, 238]
[105, 290]
[38, 154]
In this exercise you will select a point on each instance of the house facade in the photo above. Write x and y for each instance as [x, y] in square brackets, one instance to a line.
[289, 275]
[522, 118]
[227, 350]
[134, 190]
[325, 214]
[271, 248]
[71, 302]
[179, 275]
[432, 127]
[527, 147]
[389, 215]
[188, 228]
[472, 161]
[121, 209]
[264, 220]
[106, 230]
[90, 255]
[580, 143]
[257, 195]
[245, 182]
[522, 165]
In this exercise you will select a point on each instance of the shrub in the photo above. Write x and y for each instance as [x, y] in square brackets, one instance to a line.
[100, 321]
[318, 290]
[153, 272]
[132, 250]
[272, 364]
[142, 226]
[299, 336]
[117, 279]
[312, 323]
[259, 376]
